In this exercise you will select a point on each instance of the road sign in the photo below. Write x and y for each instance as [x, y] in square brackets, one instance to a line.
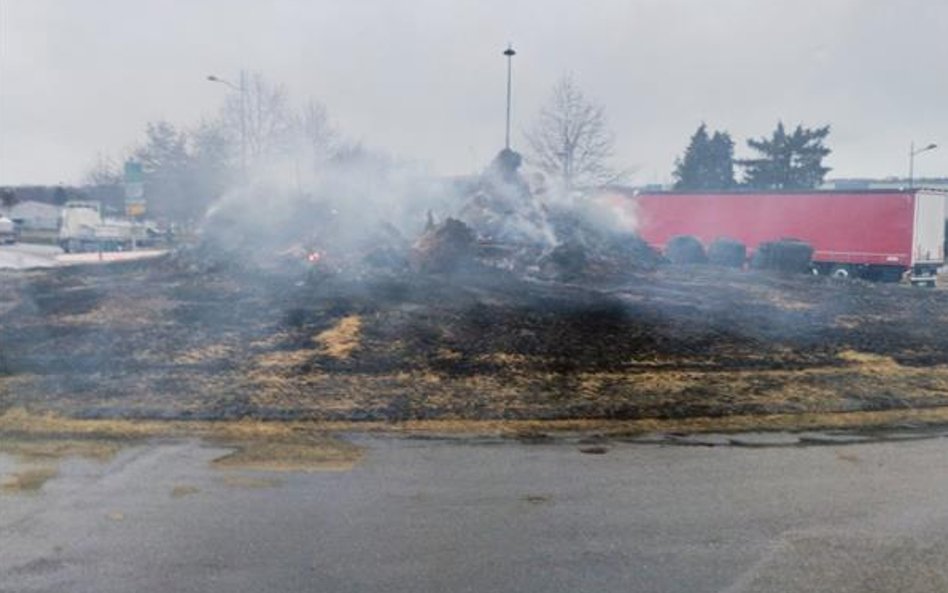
[134, 173]
[135, 208]
[134, 189]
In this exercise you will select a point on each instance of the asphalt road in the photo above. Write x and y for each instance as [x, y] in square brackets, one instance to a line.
[441, 516]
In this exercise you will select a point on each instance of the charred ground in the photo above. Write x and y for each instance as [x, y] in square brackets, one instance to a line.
[186, 339]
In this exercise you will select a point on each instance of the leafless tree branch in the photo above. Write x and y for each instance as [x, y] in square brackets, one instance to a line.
[571, 140]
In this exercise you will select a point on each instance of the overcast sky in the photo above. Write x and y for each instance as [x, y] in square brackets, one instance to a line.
[424, 79]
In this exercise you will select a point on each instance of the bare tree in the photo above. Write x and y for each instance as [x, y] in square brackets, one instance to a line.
[261, 111]
[571, 141]
[316, 134]
[103, 172]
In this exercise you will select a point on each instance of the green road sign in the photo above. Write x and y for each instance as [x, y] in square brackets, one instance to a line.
[133, 172]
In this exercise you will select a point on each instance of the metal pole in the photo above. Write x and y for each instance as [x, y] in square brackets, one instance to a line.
[243, 124]
[510, 53]
[911, 164]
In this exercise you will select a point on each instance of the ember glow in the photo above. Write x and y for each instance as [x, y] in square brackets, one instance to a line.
[314, 257]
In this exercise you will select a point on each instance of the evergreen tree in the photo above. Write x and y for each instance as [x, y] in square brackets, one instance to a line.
[168, 170]
[788, 161]
[708, 162]
[8, 198]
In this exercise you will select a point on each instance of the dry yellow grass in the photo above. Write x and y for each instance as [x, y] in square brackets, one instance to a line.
[56, 448]
[340, 340]
[271, 341]
[867, 359]
[447, 354]
[123, 312]
[284, 358]
[27, 480]
[208, 353]
[288, 431]
[508, 359]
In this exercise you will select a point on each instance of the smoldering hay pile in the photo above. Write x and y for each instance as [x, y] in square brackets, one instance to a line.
[514, 228]
[362, 219]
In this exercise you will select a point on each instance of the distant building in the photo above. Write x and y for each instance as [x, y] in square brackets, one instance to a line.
[35, 216]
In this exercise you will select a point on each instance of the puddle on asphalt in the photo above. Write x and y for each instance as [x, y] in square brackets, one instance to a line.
[310, 454]
[28, 464]
[182, 490]
[250, 482]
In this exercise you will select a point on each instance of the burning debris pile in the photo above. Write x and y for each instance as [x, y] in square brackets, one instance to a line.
[501, 207]
[503, 224]
[444, 248]
[362, 223]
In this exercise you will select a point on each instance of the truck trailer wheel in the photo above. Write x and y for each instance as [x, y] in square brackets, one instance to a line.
[840, 272]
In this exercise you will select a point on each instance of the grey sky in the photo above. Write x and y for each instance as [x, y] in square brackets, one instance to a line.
[424, 79]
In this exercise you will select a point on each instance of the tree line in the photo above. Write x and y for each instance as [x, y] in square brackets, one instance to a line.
[783, 160]
[186, 169]
[571, 142]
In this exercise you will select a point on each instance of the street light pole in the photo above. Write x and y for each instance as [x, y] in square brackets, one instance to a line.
[243, 123]
[912, 153]
[510, 53]
[242, 89]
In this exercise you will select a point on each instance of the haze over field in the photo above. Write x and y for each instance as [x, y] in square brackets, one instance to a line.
[425, 79]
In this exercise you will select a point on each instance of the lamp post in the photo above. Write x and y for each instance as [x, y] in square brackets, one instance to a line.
[510, 53]
[242, 89]
[912, 153]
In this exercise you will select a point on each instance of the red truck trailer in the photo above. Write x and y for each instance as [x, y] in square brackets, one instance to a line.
[876, 234]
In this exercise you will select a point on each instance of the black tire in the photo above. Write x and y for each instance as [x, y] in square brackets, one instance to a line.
[727, 253]
[685, 249]
[787, 255]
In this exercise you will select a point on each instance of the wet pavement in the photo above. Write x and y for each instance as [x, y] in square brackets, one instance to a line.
[420, 515]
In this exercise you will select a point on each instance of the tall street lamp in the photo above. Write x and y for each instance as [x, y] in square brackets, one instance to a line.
[510, 53]
[912, 153]
[242, 89]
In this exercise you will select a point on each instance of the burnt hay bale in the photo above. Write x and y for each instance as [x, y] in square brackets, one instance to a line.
[446, 247]
[728, 253]
[685, 249]
[786, 255]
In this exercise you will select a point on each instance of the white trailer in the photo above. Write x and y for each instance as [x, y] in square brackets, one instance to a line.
[928, 236]
[83, 229]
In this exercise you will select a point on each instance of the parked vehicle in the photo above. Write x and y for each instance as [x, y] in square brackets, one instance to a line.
[84, 229]
[872, 234]
[8, 230]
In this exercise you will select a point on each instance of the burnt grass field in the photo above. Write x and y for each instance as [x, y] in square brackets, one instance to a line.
[173, 339]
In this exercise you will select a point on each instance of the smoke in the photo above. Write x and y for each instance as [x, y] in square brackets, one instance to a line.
[361, 207]
[340, 206]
